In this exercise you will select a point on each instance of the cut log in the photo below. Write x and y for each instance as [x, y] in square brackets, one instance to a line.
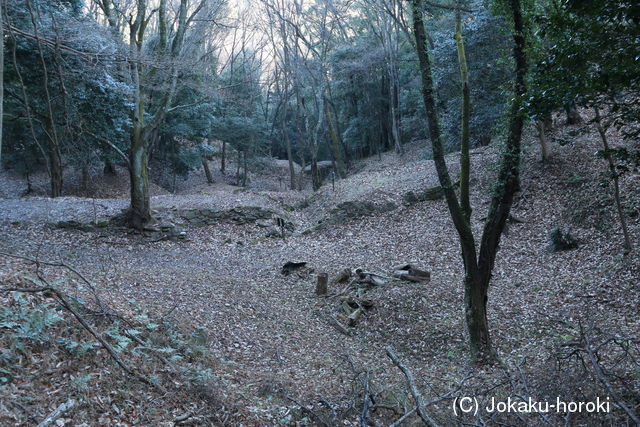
[343, 276]
[339, 326]
[411, 274]
[321, 286]
[353, 317]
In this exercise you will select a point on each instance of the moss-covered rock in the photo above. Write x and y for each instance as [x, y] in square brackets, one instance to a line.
[240, 215]
[430, 194]
[354, 210]
[560, 240]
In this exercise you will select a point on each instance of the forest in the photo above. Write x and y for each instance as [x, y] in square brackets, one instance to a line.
[320, 212]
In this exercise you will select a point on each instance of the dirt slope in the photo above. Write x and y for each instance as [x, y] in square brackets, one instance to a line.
[274, 333]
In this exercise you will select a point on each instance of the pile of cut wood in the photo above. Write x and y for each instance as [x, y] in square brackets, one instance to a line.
[352, 286]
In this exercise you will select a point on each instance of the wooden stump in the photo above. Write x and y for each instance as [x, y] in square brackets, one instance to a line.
[321, 286]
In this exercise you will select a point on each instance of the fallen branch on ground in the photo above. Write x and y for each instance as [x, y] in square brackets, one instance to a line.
[597, 369]
[366, 404]
[403, 418]
[339, 326]
[417, 396]
[57, 413]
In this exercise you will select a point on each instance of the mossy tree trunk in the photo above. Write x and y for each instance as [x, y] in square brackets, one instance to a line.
[478, 266]
[140, 210]
[465, 162]
[139, 213]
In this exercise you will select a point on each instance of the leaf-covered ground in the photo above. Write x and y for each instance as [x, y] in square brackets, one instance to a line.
[275, 356]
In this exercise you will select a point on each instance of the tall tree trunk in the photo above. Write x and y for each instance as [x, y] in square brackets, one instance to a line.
[287, 140]
[55, 160]
[465, 161]
[207, 170]
[508, 176]
[390, 40]
[1, 78]
[301, 176]
[315, 173]
[292, 170]
[223, 157]
[542, 137]
[336, 143]
[616, 182]
[238, 165]
[140, 210]
[85, 178]
[54, 149]
[547, 120]
[142, 133]
[245, 170]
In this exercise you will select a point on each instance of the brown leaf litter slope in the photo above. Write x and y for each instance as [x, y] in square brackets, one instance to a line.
[226, 280]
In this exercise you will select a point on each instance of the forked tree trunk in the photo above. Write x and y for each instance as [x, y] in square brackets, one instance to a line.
[478, 268]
